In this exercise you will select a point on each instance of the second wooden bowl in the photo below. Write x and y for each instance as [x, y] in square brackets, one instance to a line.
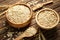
[47, 18]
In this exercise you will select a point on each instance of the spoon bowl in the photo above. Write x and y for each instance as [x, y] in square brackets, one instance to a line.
[28, 33]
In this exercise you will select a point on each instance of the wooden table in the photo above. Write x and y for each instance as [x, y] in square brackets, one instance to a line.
[53, 34]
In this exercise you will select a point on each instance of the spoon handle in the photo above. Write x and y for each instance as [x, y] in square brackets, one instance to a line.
[47, 2]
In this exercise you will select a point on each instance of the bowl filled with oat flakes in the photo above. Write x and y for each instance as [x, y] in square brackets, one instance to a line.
[47, 18]
[19, 15]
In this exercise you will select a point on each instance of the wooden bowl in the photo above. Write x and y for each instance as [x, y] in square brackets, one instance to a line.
[47, 18]
[19, 15]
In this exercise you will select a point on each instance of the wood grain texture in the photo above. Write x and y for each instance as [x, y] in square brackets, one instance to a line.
[53, 34]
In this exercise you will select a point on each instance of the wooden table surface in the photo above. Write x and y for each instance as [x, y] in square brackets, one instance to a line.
[53, 34]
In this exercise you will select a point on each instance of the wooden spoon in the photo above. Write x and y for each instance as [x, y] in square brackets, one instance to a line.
[28, 33]
[41, 5]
